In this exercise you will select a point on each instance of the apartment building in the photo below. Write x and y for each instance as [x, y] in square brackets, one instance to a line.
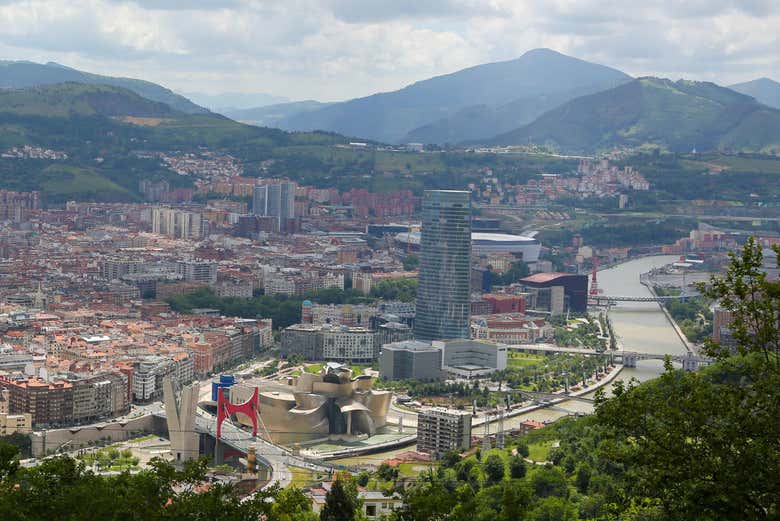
[440, 430]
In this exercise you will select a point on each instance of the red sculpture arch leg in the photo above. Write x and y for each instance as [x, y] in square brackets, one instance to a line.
[225, 409]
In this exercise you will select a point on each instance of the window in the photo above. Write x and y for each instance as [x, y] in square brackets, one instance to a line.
[371, 510]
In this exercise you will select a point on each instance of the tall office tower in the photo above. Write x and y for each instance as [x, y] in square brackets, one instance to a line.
[274, 200]
[287, 203]
[445, 259]
[260, 200]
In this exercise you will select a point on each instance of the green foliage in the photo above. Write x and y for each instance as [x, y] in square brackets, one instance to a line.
[517, 271]
[693, 315]
[411, 262]
[341, 501]
[678, 116]
[404, 290]
[62, 488]
[517, 468]
[754, 303]
[493, 468]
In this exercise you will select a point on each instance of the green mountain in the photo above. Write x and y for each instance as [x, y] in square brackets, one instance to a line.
[481, 121]
[273, 115]
[764, 90]
[109, 134]
[391, 116]
[680, 116]
[22, 74]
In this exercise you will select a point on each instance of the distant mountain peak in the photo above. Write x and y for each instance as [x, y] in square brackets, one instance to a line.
[765, 90]
[395, 116]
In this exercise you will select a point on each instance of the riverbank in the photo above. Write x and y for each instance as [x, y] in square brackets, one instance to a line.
[410, 440]
[684, 339]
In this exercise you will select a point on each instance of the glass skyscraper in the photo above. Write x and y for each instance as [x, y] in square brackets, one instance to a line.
[445, 262]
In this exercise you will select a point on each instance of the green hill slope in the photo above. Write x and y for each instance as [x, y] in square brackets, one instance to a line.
[22, 74]
[391, 116]
[101, 128]
[679, 116]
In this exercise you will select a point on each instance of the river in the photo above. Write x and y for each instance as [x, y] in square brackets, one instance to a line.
[639, 326]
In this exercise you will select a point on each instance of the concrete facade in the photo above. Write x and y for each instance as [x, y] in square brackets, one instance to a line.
[440, 430]
[469, 358]
[181, 403]
[411, 359]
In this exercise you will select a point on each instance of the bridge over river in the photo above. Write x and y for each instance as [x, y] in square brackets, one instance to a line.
[690, 361]
[277, 458]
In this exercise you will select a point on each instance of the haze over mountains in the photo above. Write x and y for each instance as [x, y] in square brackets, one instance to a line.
[764, 90]
[229, 101]
[527, 83]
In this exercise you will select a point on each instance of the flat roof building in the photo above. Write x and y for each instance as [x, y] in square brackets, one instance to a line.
[564, 292]
[410, 360]
[440, 430]
[469, 358]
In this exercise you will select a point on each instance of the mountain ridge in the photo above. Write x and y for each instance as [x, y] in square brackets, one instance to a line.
[681, 116]
[23, 74]
[389, 116]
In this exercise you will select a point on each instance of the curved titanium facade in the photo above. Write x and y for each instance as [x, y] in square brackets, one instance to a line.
[442, 309]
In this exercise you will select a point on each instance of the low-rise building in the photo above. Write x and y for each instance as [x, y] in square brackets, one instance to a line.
[410, 359]
[470, 358]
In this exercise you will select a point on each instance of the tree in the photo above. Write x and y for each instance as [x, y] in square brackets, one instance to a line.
[517, 468]
[411, 262]
[582, 479]
[9, 460]
[549, 482]
[386, 472]
[754, 303]
[493, 467]
[706, 445]
[554, 509]
[450, 458]
[341, 501]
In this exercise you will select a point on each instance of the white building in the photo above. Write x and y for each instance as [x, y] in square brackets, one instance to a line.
[345, 343]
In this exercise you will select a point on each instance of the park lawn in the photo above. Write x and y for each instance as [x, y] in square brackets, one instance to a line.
[302, 477]
[412, 470]
[314, 368]
[520, 361]
[142, 439]
[540, 451]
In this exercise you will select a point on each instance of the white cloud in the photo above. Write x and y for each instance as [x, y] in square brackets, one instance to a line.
[336, 49]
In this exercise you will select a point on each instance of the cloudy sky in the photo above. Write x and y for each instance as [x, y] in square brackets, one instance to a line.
[337, 49]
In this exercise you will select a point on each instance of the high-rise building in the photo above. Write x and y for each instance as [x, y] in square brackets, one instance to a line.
[445, 257]
[275, 200]
[260, 200]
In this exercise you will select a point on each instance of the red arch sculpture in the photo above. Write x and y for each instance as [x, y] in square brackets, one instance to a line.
[225, 409]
